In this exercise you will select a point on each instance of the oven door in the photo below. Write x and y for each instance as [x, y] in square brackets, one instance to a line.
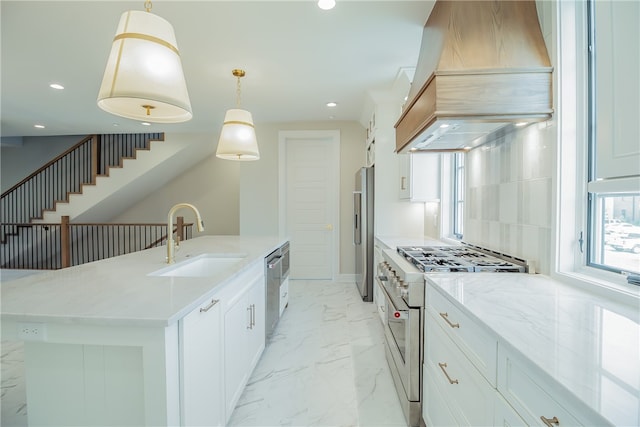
[403, 336]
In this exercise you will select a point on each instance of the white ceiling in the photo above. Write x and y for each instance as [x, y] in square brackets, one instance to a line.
[297, 58]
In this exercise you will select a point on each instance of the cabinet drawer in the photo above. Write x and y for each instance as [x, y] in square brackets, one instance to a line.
[468, 393]
[435, 411]
[477, 342]
[504, 414]
[528, 394]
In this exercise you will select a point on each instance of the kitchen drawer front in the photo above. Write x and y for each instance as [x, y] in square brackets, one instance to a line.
[468, 393]
[529, 395]
[477, 342]
[505, 415]
[435, 411]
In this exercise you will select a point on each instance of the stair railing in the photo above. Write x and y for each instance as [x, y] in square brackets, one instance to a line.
[54, 246]
[67, 173]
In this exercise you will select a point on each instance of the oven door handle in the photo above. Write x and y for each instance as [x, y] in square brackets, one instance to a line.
[393, 306]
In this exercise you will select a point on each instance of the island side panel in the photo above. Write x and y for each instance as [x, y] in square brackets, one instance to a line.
[102, 375]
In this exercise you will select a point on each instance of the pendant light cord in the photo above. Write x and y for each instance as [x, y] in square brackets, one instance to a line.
[238, 93]
[239, 74]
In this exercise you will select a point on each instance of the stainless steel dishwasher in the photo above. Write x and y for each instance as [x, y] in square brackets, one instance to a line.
[276, 271]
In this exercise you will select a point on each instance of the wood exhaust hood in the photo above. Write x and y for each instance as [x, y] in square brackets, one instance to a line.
[483, 69]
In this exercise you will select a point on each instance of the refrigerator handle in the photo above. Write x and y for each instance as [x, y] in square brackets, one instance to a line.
[357, 218]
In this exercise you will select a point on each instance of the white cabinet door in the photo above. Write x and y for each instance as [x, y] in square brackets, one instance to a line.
[419, 177]
[404, 167]
[244, 338]
[378, 294]
[529, 393]
[505, 415]
[617, 66]
[435, 410]
[237, 321]
[201, 367]
[256, 331]
[380, 301]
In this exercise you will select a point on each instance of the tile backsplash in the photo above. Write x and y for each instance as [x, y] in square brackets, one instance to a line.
[509, 194]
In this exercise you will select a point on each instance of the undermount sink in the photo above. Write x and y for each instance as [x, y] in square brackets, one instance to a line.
[204, 265]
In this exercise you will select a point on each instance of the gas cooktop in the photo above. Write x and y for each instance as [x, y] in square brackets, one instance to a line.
[461, 259]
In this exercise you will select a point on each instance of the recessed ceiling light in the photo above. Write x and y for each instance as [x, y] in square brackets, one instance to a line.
[331, 104]
[332, 117]
[145, 124]
[56, 86]
[116, 124]
[520, 124]
[444, 125]
[39, 126]
[326, 4]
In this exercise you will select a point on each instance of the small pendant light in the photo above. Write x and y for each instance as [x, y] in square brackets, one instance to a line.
[143, 79]
[238, 136]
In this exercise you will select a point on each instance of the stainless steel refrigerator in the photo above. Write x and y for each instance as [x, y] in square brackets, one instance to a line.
[363, 232]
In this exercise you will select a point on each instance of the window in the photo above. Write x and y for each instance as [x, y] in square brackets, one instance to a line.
[458, 195]
[615, 236]
[613, 213]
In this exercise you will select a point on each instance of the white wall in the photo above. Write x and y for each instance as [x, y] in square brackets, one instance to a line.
[259, 182]
[393, 217]
[18, 162]
[212, 185]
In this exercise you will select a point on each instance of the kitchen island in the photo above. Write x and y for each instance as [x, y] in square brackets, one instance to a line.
[114, 343]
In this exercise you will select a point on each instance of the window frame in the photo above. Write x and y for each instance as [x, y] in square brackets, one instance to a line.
[572, 217]
[457, 195]
[592, 197]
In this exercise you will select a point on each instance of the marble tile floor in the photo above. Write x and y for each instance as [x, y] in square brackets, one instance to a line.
[13, 407]
[324, 366]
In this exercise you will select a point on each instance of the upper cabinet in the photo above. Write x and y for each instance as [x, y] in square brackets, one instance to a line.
[617, 67]
[419, 177]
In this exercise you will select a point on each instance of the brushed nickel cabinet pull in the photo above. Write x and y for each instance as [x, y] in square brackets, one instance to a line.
[445, 316]
[211, 304]
[550, 421]
[403, 183]
[250, 326]
[442, 366]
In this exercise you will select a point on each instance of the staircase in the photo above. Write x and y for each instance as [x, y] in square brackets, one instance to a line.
[92, 182]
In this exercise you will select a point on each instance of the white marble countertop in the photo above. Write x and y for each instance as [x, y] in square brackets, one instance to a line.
[119, 291]
[589, 344]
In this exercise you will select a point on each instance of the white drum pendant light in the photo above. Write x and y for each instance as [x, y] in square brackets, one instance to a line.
[143, 79]
[238, 136]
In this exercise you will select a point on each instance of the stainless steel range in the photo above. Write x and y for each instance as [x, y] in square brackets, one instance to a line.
[401, 276]
[461, 259]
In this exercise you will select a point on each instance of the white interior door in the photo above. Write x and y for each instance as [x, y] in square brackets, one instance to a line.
[311, 199]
